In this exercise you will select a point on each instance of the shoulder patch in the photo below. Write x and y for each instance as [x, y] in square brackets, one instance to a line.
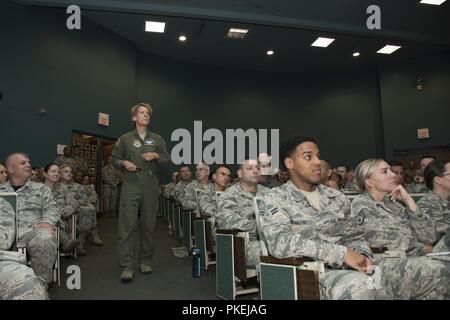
[361, 217]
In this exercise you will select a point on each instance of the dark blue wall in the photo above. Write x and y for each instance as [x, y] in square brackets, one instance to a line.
[73, 74]
[342, 111]
[405, 109]
[76, 74]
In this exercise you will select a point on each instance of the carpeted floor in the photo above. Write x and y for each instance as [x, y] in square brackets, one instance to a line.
[100, 273]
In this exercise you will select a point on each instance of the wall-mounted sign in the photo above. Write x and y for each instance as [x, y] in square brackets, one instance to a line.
[423, 133]
[103, 119]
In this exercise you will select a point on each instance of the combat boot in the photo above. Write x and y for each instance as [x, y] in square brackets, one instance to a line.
[127, 275]
[67, 244]
[96, 241]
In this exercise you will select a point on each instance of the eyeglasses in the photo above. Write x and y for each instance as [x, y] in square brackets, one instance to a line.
[446, 174]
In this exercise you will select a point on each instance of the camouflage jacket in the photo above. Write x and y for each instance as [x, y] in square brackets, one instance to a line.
[389, 224]
[7, 225]
[208, 201]
[438, 211]
[91, 194]
[66, 200]
[35, 205]
[236, 209]
[168, 189]
[111, 176]
[292, 227]
[180, 190]
[189, 201]
[78, 192]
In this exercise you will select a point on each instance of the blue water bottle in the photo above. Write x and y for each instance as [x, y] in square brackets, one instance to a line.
[196, 272]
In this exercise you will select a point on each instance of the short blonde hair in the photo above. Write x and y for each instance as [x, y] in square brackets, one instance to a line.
[134, 109]
[364, 170]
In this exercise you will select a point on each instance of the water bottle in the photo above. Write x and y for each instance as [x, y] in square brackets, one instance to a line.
[196, 272]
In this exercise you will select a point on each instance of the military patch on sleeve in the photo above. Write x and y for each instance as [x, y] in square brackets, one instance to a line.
[271, 211]
[361, 217]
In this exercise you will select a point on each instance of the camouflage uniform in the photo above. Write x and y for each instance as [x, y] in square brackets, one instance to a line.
[169, 189]
[391, 225]
[236, 211]
[63, 160]
[139, 191]
[68, 206]
[87, 214]
[91, 194]
[189, 201]
[438, 211]
[208, 202]
[36, 205]
[292, 227]
[81, 165]
[271, 182]
[180, 190]
[111, 180]
[416, 188]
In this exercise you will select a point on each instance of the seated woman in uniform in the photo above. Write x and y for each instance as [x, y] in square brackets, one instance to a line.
[436, 204]
[387, 217]
[67, 203]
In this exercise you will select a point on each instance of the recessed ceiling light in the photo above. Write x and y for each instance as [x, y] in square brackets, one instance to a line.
[356, 54]
[153, 26]
[182, 38]
[235, 33]
[388, 49]
[435, 2]
[270, 52]
[322, 42]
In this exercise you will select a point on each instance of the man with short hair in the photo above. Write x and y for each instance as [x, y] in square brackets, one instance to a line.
[138, 153]
[342, 170]
[38, 215]
[236, 208]
[185, 180]
[304, 218]
[416, 186]
[397, 168]
[189, 200]
[326, 170]
[208, 199]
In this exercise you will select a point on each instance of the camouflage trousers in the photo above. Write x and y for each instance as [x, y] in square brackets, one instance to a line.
[18, 282]
[42, 249]
[252, 253]
[345, 285]
[87, 218]
[110, 199]
[65, 230]
[413, 278]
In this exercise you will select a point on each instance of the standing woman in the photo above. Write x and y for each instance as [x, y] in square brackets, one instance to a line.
[138, 154]
[67, 204]
[435, 203]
